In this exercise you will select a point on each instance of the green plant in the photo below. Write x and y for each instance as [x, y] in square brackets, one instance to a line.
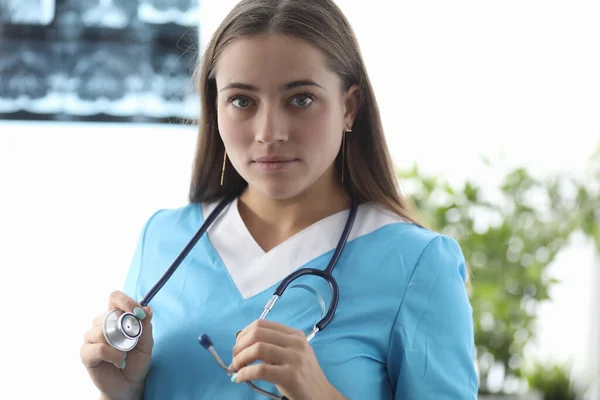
[509, 237]
[553, 382]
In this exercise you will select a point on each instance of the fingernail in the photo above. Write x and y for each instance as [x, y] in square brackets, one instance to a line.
[237, 333]
[123, 364]
[125, 356]
[139, 313]
[233, 378]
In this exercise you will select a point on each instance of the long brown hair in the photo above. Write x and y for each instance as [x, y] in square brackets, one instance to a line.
[371, 176]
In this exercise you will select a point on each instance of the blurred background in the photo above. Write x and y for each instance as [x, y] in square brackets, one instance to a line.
[492, 116]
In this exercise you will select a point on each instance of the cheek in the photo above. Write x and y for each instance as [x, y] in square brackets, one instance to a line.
[320, 134]
[233, 132]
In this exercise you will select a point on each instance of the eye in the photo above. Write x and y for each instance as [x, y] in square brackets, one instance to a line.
[240, 101]
[302, 100]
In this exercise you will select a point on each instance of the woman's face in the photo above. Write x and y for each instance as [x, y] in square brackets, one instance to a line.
[281, 114]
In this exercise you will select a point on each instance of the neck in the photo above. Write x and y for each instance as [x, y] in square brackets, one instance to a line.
[271, 221]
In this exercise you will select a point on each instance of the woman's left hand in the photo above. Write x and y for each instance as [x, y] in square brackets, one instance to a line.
[287, 361]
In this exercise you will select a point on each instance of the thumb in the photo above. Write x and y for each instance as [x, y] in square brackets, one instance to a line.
[146, 341]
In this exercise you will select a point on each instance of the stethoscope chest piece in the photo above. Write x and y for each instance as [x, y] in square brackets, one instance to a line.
[122, 330]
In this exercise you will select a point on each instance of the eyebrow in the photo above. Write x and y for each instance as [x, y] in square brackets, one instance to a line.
[287, 86]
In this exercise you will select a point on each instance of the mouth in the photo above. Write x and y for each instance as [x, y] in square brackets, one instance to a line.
[274, 159]
[274, 163]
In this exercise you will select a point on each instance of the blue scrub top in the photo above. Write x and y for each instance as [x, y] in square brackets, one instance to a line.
[403, 327]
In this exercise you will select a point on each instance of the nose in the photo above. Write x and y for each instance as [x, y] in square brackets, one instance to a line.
[271, 125]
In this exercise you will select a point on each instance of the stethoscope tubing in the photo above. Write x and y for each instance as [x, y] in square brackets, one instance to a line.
[327, 273]
[114, 336]
[167, 275]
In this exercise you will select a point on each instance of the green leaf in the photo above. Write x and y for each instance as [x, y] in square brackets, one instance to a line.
[508, 262]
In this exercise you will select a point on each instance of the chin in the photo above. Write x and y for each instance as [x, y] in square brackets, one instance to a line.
[280, 190]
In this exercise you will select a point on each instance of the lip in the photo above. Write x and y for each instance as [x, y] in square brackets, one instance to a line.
[274, 159]
[275, 163]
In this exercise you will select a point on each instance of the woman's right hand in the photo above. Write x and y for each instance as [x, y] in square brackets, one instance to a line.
[116, 374]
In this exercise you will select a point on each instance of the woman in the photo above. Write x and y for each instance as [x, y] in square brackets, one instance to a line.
[290, 127]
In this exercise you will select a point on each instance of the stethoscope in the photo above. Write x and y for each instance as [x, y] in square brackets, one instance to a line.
[122, 330]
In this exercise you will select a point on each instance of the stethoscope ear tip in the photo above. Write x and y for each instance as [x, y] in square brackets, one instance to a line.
[205, 341]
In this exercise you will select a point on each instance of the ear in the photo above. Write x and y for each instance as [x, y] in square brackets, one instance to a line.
[352, 104]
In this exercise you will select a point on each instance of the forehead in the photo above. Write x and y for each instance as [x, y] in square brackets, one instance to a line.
[270, 60]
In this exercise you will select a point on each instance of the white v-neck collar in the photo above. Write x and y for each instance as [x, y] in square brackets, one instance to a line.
[253, 271]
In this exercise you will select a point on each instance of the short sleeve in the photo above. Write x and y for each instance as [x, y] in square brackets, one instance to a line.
[135, 266]
[432, 352]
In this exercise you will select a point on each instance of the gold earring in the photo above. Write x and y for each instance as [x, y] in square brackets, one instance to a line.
[223, 170]
[344, 152]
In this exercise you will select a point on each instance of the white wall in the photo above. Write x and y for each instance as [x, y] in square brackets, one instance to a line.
[73, 198]
[454, 80]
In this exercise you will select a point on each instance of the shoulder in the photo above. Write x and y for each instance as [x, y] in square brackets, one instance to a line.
[174, 225]
[409, 244]
[175, 218]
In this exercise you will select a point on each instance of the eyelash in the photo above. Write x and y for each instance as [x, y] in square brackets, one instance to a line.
[307, 95]
[233, 98]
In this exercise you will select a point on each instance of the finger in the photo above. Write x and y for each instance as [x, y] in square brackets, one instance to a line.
[92, 354]
[146, 341]
[120, 301]
[99, 320]
[276, 374]
[95, 335]
[263, 323]
[265, 352]
[266, 335]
